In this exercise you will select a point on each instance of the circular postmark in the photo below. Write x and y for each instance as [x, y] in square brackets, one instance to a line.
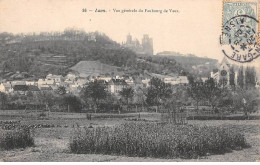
[239, 39]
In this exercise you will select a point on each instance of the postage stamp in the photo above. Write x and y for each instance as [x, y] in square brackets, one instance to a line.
[240, 30]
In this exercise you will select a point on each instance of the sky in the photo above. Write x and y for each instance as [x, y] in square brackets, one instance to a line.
[194, 29]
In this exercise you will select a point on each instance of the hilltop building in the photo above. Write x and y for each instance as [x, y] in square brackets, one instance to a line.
[145, 48]
[147, 44]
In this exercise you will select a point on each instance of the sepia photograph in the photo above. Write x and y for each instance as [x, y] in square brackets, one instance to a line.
[129, 81]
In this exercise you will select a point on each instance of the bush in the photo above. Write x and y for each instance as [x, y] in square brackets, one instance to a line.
[156, 140]
[18, 138]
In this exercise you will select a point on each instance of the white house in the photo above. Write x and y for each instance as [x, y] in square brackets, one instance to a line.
[45, 82]
[176, 80]
[183, 80]
[204, 79]
[70, 78]
[116, 85]
[107, 79]
[6, 87]
[56, 78]
[30, 83]
[146, 82]
[18, 83]
[170, 80]
[130, 81]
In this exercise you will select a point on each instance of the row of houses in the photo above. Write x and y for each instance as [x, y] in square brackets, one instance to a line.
[73, 83]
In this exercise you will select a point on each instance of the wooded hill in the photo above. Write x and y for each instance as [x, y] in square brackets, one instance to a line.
[201, 66]
[36, 55]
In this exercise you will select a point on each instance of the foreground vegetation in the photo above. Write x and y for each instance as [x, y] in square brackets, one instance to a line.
[18, 138]
[156, 140]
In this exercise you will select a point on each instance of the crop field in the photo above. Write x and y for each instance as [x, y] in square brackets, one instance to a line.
[53, 137]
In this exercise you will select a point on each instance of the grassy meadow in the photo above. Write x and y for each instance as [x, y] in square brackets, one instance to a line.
[119, 137]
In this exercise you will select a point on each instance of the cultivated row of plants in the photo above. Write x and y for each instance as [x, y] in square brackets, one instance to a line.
[18, 138]
[156, 140]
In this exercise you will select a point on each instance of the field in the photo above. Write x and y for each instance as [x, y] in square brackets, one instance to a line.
[52, 136]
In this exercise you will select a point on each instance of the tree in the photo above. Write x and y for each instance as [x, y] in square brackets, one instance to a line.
[250, 77]
[94, 91]
[212, 92]
[196, 92]
[61, 90]
[190, 79]
[240, 77]
[246, 100]
[46, 98]
[174, 103]
[30, 99]
[110, 103]
[73, 103]
[158, 92]
[127, 94]
[3, 100]
[140, 97]
[232, 76]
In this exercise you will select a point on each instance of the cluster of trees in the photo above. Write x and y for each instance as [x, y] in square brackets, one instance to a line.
[42, 100]
[160, 65]
[222, 98]
[96, 96]
[205, 65]
[159, 95]
[246, 78]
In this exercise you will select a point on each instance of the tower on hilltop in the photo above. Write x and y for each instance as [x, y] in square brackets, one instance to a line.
[128, 39]
[145, 48]
[147, 44]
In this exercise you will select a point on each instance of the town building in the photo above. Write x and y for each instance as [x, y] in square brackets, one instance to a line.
[116, 85]
[18, 83]
[6, 87]
[30, 83]
[70, 78]
[56, 78]
[107, 79]
[176, 80]
[46, 88]
[146, 82]
[45, 82]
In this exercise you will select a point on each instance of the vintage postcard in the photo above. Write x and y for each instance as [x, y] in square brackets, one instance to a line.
[129, 80]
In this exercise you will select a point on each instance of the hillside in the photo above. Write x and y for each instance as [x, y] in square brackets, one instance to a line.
[160, 65]
[33, 56]
[95, 68]
[55, 53]
[196, 65]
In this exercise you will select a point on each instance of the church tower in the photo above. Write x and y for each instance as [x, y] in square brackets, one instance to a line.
[224, 73]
